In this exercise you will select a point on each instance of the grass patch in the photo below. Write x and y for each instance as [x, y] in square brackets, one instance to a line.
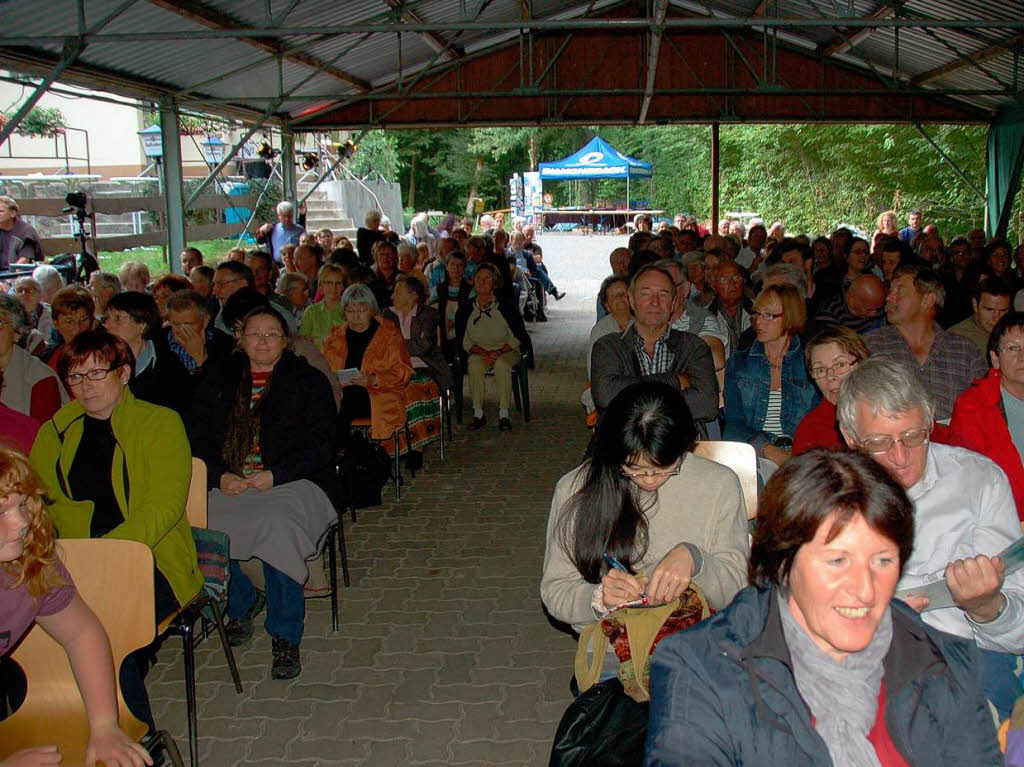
[213, 251]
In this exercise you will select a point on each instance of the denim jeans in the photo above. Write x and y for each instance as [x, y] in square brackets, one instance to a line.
[286, 604]
[1001, 683]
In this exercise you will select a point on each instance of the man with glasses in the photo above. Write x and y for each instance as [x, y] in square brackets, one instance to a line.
[964, 515]
[946, 363]
[650, 349]
[228, 279]
[731, 303]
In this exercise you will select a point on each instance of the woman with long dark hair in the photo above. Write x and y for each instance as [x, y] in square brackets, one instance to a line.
[669, 517]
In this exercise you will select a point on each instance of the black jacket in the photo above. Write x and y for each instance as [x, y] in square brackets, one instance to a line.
[297, 429]
[166, 383]
[723, 694]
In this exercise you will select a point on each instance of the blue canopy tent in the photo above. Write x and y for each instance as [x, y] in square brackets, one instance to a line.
[598, 159]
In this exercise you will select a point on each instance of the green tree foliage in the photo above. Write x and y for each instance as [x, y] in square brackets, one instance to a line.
[377, 153]
[812, 177]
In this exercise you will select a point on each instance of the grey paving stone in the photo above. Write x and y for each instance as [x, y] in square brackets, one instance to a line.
[444, 656]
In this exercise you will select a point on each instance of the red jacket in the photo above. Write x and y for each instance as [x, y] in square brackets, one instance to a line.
[979, 424]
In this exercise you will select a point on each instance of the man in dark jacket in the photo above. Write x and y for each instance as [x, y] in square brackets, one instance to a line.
[651, 350]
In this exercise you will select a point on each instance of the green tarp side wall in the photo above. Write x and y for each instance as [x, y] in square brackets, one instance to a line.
[1004, 160]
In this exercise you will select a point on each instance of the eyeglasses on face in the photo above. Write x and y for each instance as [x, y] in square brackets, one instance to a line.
[839, 368]
[631, 472]
[222, 283]
[725, 280]
[96, 374]
[1014, 350]
[269, 337]
[765, 315]
[883, 444]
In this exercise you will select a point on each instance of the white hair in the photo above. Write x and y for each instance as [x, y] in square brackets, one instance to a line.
[882, 384]
[285, 207]
[48, 277]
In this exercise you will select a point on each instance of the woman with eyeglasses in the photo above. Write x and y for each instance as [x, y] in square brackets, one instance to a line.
[118, 467]
[669, 517]
[319, 319]
[830, 356]
[767, 391]
[263, 421]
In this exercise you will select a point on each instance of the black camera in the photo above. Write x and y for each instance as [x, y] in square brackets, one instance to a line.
[76, 204]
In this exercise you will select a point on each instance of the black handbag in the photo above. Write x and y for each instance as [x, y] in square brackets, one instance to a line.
[603, 727]
[365, 469]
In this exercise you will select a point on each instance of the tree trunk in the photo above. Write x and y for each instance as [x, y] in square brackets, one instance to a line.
[533, 150]
[472, 190]
[410, 199]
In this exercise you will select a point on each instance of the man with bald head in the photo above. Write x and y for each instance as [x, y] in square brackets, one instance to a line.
[858, 308]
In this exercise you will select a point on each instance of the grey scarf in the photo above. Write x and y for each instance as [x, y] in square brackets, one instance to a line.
[843, 697]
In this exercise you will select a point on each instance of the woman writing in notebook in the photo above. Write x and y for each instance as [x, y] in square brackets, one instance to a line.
[667, 516]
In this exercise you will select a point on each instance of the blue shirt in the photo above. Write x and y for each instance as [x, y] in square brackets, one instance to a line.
[282, 236]
[1014, 419]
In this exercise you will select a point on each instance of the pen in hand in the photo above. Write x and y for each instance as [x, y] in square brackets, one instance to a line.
[617, 565]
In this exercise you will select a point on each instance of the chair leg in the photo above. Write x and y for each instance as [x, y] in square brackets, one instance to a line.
[229, 655]
[408, 448]
[343, 550]
[398, 469]
[190, 694]
[524, 385]
[448, 412]
[161, 739]
[333, 574]
[515, 389]
[441, 410]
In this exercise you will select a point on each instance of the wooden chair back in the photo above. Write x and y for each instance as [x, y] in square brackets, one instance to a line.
[742, 459]
[197, 499]
[115, 578]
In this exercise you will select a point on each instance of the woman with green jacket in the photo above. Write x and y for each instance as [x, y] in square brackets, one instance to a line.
[118, 467]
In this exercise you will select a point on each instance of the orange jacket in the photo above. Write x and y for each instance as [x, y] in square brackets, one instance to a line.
[386, 357]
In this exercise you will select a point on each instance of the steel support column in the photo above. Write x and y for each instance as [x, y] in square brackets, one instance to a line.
[170, 139]
[714, 178]
[288, 179]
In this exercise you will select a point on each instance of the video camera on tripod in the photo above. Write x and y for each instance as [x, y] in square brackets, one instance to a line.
[84, 263]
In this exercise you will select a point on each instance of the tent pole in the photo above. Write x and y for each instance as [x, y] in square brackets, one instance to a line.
[714, 178]
[627, 188]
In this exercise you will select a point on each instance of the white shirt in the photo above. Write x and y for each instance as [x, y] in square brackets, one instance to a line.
[745, 257]
[713, 326]
[963, 507]
[605, 326]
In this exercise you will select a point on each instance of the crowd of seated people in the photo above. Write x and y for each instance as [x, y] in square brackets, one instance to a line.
[893, 351]
[767, 339]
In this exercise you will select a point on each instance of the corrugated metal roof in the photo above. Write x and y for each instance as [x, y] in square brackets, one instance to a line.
[242, 71]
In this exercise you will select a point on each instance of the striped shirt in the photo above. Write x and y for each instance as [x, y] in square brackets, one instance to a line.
[773, 417]
[661, 361]
[254, 461]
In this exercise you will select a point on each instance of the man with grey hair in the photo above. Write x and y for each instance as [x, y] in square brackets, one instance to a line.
[284, 232]
[103, 286]
[19, 241]
[964, 515]
[367, 236]
[650, 349]
[946, 362]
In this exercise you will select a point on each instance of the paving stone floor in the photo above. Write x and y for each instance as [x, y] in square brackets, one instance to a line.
[443, 655]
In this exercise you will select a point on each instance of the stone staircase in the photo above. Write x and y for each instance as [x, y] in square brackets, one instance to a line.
[322, 213]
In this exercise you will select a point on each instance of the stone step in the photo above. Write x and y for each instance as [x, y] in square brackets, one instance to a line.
[328, 222]
[313, 205]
